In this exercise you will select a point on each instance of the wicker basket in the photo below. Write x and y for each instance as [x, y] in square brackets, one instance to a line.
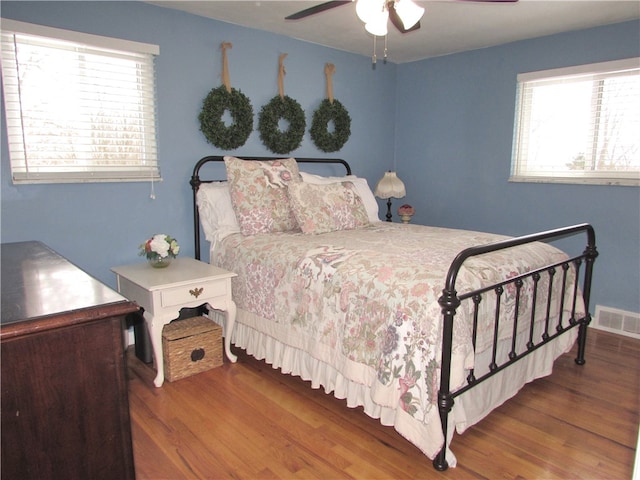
[191, 346]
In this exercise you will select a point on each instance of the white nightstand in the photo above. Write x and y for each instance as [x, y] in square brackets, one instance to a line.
[162, 292]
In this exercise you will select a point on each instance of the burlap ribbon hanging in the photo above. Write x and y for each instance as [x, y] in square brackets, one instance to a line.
[281, 73]
[224, 98]
[329, 70]
[331, 112]
[226, 81]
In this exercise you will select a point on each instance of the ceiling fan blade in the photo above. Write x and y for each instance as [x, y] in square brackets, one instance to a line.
[397, 21]
[316, 9]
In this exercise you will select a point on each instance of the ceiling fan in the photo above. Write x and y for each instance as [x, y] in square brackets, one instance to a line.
[404, 14]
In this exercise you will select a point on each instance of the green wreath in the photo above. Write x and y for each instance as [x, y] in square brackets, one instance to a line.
[327, 112]
[274, 139]
[211, 124]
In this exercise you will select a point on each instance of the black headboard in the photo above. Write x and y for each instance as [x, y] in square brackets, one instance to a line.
[196, 181]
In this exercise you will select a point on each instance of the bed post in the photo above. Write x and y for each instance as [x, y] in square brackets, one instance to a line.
[449, 302]
[590, 253]
[195, 184]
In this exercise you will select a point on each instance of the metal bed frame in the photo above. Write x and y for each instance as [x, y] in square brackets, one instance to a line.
[450, 300]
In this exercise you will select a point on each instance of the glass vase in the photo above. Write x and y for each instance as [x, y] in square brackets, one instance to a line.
[160, 262]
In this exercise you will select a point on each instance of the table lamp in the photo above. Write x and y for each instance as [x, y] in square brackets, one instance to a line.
[388, 187]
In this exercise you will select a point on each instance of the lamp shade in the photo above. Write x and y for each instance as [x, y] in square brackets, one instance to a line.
[409, 12]
[390, 186]
[377, 24]
[374, 14]
[367, 10]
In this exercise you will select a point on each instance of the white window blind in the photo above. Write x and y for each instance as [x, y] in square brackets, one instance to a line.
[579, 125]
[79, 107]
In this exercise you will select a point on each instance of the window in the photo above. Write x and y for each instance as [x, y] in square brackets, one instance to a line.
[79, 107]
[579, 125]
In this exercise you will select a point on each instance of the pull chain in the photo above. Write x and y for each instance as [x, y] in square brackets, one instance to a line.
[374, 57]
[386, 50]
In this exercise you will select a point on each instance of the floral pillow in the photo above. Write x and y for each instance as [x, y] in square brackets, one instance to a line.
[328, 207]
[369, 200]
[259, 194]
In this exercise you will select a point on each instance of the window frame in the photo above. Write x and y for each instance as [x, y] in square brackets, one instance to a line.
[519, 172]
[137, 168]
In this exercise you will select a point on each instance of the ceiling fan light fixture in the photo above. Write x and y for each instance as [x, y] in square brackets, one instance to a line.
[378, 25]
[409, 12]
[367, 10]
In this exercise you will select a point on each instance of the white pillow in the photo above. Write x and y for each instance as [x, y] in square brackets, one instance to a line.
[362, 187]
[217, 217]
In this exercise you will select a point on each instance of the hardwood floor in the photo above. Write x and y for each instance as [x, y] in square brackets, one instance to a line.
[248, 421]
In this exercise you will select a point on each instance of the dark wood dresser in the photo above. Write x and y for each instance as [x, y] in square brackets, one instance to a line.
[65, 408]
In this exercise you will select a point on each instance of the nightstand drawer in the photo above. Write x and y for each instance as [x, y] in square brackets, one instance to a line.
[195, 291]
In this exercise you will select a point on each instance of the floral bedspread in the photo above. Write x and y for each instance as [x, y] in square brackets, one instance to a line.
[367, 299]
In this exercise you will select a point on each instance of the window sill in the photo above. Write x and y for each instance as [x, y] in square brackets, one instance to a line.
[617, 182]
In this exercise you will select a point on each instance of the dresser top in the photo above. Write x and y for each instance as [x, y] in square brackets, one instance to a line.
[37, 283]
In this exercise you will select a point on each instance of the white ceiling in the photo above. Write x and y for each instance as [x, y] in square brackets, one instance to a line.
[448, 26]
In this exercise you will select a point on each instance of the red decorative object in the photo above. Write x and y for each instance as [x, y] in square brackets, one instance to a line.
[406, 211]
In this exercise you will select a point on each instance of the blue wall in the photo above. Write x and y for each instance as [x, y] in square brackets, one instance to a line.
[453, 145]
[101, 225]
[447, 129]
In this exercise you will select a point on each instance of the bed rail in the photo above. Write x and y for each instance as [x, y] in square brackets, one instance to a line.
[195, 183]
[450, 301]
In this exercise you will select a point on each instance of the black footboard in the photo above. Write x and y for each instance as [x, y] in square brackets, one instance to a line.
[450, 301]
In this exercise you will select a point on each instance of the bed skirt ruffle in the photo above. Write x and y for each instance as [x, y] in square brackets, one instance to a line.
[428, 437]
[294, 361]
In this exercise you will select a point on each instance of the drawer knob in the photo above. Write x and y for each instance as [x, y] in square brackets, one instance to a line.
[196, 291]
